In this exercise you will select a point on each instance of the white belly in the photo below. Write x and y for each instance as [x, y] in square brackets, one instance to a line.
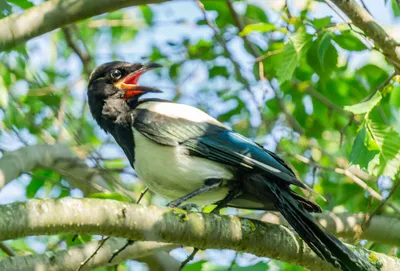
[171, 173]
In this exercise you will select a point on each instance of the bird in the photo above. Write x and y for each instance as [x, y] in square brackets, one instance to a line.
[187, 156]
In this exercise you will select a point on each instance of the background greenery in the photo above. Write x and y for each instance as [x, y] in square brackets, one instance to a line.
[292, 76]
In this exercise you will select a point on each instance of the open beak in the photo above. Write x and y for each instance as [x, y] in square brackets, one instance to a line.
[130, 82]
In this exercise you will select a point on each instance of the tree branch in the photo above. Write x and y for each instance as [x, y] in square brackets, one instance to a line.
[380, 229]
[50, 15]
[70, 260]
[363, 20]
[59, 158]
[137, 222]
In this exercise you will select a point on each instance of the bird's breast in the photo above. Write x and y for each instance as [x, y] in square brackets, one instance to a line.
[170, 172]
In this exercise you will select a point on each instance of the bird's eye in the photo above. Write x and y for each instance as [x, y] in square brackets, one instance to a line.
[116, 74]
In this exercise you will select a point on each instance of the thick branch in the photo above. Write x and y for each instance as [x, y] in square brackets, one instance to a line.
[50, 15]
[362, 19]
[381, 229]
[107, 217]
[59, 158]
[70, 260]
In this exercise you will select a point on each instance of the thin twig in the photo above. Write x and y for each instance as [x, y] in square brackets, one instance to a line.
[101, 243]
[383, 202]
[84, 56]
[268, 54]
[349, 23]
[188, 259]
[7, 250]
[292, 121]
[221, 41]
[380, 87]
[129, 242]
[365, 6]
[142, 194]
[233, 262]
[361, 183]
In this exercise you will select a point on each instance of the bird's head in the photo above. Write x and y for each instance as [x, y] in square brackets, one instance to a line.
[119, 77]
[116, 84]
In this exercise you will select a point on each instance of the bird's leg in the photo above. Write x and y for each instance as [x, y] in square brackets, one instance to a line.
[234, 193]
[209, 184]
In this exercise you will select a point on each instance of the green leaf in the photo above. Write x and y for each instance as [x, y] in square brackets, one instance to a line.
[25, 4]
[259, 27]
[360, 154]
[323, 45]
[322, 56]
[387, 162]
[255, 13]
[3, 94]
[219, 71]
[348, 41]
[322, 22]
[147, 14]
[292, 51]
[33, 187]
[365, 107]
[395, 96]
[112, 195]
[395, 8]
[224, 16]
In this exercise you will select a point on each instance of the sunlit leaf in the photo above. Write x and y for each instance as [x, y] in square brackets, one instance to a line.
[147, 14]
[387, 162]
[113, 196]
[322, 22]
[294, 47]
[260, 27]
[3, 94]
[365, 107]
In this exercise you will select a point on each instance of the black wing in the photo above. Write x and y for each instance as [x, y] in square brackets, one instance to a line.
[214, 142]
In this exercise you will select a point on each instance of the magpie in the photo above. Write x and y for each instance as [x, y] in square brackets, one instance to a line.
[185, 155]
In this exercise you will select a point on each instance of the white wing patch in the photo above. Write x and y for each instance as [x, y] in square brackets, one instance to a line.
[174, 110]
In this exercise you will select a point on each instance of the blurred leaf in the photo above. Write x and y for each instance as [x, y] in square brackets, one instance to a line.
[395, 96]
[259, 27]
[5, 9]
[25, 4]
[34, 186]
[371, 76]
[3, 94]
[395, 8]
[360, 154]
[147, 14]
[365, 107]
[294, 47]
[387, 162]
[113, 196]
[219, 71]
[322, 56]
[256, 14]
[321, 22]
[348, 41]
[323, 45]
[224, 16]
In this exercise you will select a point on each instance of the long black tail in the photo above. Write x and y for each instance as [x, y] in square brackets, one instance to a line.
[324, 244]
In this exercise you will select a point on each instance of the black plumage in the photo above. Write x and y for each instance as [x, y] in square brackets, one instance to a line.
[201, 141]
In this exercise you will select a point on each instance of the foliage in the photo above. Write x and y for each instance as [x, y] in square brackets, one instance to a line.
[306, 77]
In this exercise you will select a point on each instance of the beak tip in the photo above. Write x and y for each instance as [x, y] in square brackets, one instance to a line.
[151, 65]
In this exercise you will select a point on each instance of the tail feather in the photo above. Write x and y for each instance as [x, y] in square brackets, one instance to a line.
[324, 244]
